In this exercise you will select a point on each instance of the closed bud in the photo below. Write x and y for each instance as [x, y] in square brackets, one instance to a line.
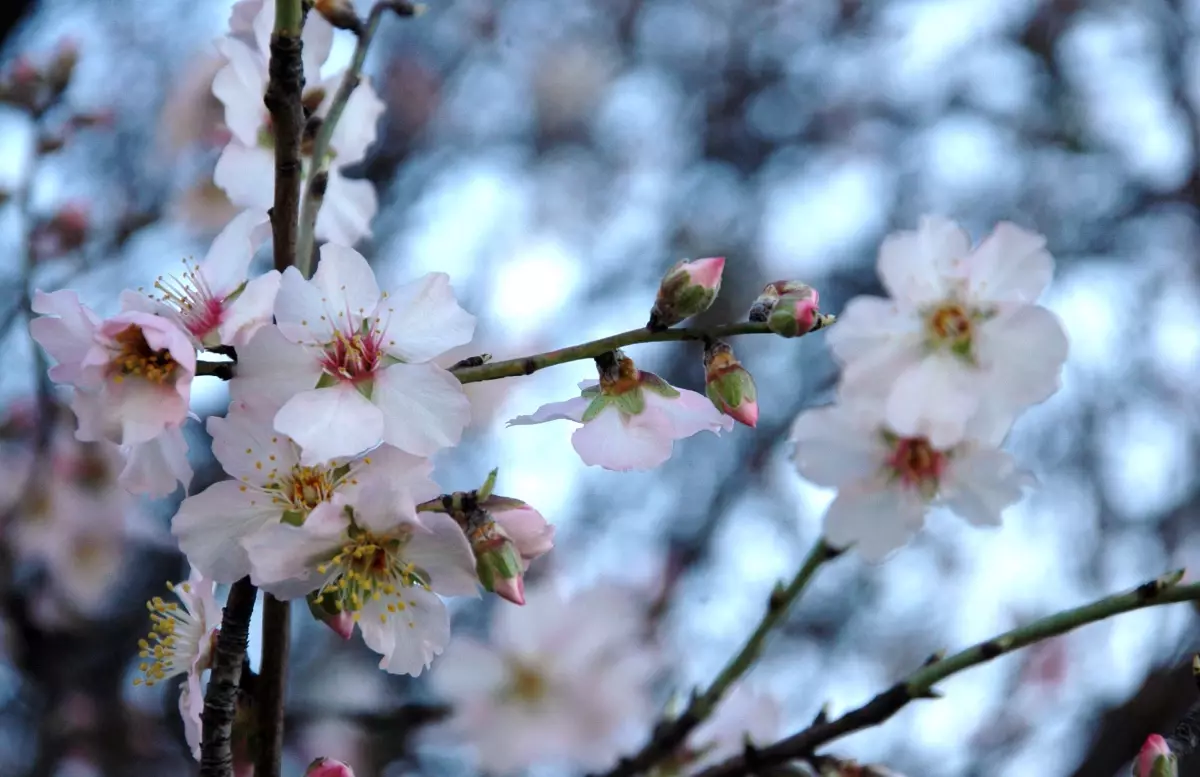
[795, 313]
[328, 767]
[687, 289]
[498, 561]
[339, 13]
[324, 609]
[729, 385]
[1155, 759]
[761, 310]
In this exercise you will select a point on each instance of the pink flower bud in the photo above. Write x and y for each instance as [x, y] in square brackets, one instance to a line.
[1155, 759]
[765, 303]
[729, 385]
[795, 312]
[327, 767]
[687, 289]
[324, 609]
[498, 562]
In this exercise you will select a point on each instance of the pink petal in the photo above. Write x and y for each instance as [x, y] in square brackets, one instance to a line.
[1010, 265]
[915, 266]
[247, 446]
[246, 173]
[357, 130]
[271, 369]
[570, 410]
[876, 521]
[410, 638]
[875, 341]
[611, 442]
[283, 558]
[934, 399]
[688, 414]
[347, 284]
[158, 466]
[67, 338]
[445, 554]
[839, 444]
[423, 406]
[980, 483]
[330, 422]
[423, 319]
[527, 528]
[211, 525]
[349, 207]
[228, 258]
[251, 311]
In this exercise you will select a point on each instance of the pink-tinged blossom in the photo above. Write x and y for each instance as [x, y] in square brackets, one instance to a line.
[744, 714]
[960, 335]
[1155, 759]
[526, 527]
[328, 767]
[155, 468]
[562, 679]
[352, 367]
[887, 482]
[377, 560]
[213, 300]
[270, 485]
[137, 367]
[630, 420]
[245, 168]
[181, 641]
[687, 289]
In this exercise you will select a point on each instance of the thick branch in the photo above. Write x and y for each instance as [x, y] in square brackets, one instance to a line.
[269, 690]
[530, 364]
[669, 735]
[284, 91]
[318, 173]
[220, 700]
[919, 684]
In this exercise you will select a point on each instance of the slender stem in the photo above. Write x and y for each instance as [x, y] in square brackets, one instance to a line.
[919, 684]
[530, 364]
[220, 700]
[318, 173]
[284, 91]
[222, 370]
[670, 734]
[272, 682]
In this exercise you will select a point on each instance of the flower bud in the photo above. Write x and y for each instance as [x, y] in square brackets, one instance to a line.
[327, 767]
[729, 385]
[1155, 759]
[339, 13]
[795, 312]
[62, 67]
[324, 610]
[498, 562]
[687, 289]
[760, 311]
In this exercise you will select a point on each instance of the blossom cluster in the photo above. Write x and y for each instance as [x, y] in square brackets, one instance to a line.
[932, 380]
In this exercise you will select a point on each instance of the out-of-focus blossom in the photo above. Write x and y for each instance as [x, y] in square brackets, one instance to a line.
[245, 169]
[271, 486]
[742, 715]
[729, 385]
[351, 367]
[378, 561]
[687, 289]
[562, 679]
[328, 767]
[960, 336]
[1155, 759]
[213, 300]
[533, 535]
[181, 642]
[630, 418]
[887, 482]
[62, 233]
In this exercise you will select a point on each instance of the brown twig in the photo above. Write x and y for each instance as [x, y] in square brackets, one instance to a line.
[269, 690]
[220, 700]
[283, 100]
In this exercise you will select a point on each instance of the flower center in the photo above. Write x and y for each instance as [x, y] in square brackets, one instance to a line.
[526, 684]
[916, 464]
[190, 295]
[952, 326]
[174, 641]
[354, 357]
[368, 568]
[304, 487]
[133, 357]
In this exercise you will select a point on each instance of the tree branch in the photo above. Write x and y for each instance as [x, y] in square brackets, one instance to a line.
[919, 684]
[670, 734]
[269, 690]
[528, 365]
[220, 700]
[284, 90]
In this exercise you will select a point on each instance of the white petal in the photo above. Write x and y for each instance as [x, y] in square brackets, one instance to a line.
[157, 467]
[445, 554]
[410, 474]
[839, 444]
[424, 407]
[143, 409]
[271, 369]
[1010, 265]
[570, 410]
[875, 520]
[689, 413]
[317, 40]
[240, 86]
[228, 258]
[211, 525]
[613, 442]
[330, 422]
[915, 266]
[246, 444]
[247, 175]
[347, 283]
[410, 638]
[251, 311]
[467, 671]
[1023, 351]
[980, 483]
[67, 338]
[357, 129]
[934, 399]
[303, 313]
[283, 558]
[875, 341]
[349, 207]
[191, 704]
[424, 320]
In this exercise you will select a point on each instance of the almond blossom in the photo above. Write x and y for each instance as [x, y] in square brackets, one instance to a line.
[246, 168]
[352, 367]
[562, 678]
[961, 335]
[181, 641]
[378, 561]
[271, 486]
[887, 482]
[630, 418]
[213, 301]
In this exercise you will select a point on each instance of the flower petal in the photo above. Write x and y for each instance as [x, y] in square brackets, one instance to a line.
[915, 266]
[246, 444]
[346, 280]
[330, 422]
[980, 482]
[424, 320]
[67, 338]
[251, 311]
[689, 413]
[349, 207]
[424, 407]
[228, 258]
[272, 369]
[613, 442]
[443, 552]
[528, 529]
[875, 341]
[409, 638]
[304, 314]
[283, 558]
[1010, 265]
[212, 524]
[246, 173]
[875, 520]
[357, 129]
[570, 410]
[157, 467]
[1023, 350]
[934, 399]
[240, 86]
[839, 444]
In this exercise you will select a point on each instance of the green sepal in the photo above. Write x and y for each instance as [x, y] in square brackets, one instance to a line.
[326, 381]
[596, 408]
[496, 504]
[293, 517]
[590, 392]
[502, 561]
[488, 486]
[233, 295]
[387, 360]
[365, 387]
[652, 382]
[630, 402]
